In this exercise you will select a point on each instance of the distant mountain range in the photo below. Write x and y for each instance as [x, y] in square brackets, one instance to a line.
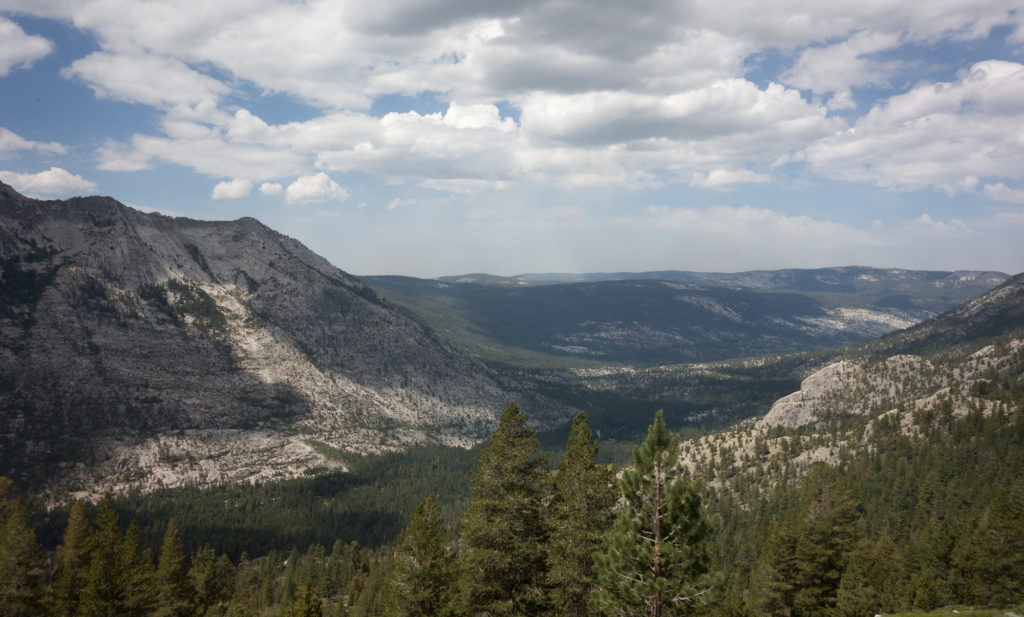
[841, 279]
[673, 316]
[968, 360]
[138, 350]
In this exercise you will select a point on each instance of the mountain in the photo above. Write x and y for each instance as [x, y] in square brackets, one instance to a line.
[916, 382]
[923, 285]
[139, 350]
[671, 317]
[889, 482]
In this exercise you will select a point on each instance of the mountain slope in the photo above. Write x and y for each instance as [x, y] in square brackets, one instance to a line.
[913, 383]
[924, 286]
[683, 317]
[140, 350]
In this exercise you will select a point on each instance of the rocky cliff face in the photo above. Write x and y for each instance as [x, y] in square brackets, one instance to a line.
[958, 370]
[138, 350]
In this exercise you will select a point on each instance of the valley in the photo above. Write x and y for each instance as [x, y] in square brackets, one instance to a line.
[222, 376]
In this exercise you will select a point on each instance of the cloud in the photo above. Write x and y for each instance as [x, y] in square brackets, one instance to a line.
[464, 185]
[314, 189]
[54, 181]
[146, 78]
[925, 224]
[232, 189]
[1001, 192]
[769, 121]
[841, 66]
[942, 135]
[604, 95]
[465, 143]
[11, 141]
[271, 188]
[207, 152]
[19, 50]
[397, 203]
[720, 178]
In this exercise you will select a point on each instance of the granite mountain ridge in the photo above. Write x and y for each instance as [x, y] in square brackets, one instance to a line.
[139, 350]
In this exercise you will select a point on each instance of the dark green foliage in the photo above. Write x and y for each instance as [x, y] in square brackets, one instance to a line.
[212, 578]
[618, 405]
[655, 557]
[139, 583]
[804, 559]
[104, 593]
[192, 301]
[174, 590]
[368, 592]
[579, 514]
[419, 583]
[305, 605]
[502, 543]
[73, 557]
[997, 555]
[22, 563]
[369, 504]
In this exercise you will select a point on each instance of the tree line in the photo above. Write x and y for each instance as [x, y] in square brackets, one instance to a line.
[530, 542]
[909, 523]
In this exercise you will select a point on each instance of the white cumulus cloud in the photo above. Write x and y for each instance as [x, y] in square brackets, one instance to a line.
[11, 141]
[1000, 192]
[271, 188]
[315, 189]
[841, 66]
[53, 181]
[19, 49]
[149, 79]
[232, 189]
[942, 135]
[722, 178]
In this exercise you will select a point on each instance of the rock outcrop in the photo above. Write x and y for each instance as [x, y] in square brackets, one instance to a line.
[139, 350]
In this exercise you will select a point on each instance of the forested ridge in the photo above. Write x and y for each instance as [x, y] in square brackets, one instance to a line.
[907, 524]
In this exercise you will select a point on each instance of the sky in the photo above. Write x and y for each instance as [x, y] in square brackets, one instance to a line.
[439, 137]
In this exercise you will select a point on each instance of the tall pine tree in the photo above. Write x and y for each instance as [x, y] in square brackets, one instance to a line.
[580, 514]
[104, 592]
[72, 569]
[998, 552]
[804, 558]
[139, 581]
[174, 590]
[22, 563]
[502, 545]
[655, 557]
[420, 580]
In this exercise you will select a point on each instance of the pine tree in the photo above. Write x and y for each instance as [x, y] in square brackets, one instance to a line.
[775, 580]
[174, 592]
[580, 514]
[803, 560]
[829, 529]
[212, 578]
[22, 563]
[502, 545]
[139, 582]
[655, 557]
[855, 596]
[420, 580]
[103, 595]
[72, 569]
[306, 604]
[998, 552]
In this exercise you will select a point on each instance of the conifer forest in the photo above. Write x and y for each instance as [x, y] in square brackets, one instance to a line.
[892, 528]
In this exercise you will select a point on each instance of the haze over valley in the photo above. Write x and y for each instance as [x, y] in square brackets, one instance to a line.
[342, 308]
